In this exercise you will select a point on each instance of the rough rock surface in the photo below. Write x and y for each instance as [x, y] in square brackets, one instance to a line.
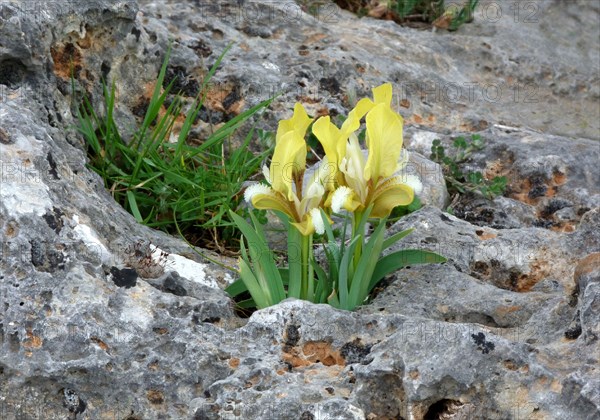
[95, 322]
[550, 188]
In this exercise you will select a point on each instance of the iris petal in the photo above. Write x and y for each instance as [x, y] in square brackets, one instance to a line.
[298, 123]
[384, 140]
[390, 194]
[383, 94]
[273, 201]
[286, 162]
[329, 136]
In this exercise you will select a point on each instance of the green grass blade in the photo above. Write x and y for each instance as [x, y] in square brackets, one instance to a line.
[134, 207]
[261, 256]
[323, 288]
[246, 304]
[396, 237]
[344, 280]
[236, 288]
[400, 259]
[256, 291]
[294, 261]
[366, 265]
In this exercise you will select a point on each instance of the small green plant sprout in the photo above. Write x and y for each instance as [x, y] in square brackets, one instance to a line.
[442, 14]
[460, 182]
[465, 15]
[348, 183]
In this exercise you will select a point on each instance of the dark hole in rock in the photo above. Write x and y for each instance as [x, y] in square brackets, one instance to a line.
[445, 218]
[210, 116]
[553, 206]
[135, 31]
[442, 409]
[541, 223]
[355, 351]
[573, 333]
[5, 138]
[52, 164]
[582, 210]
[484, 346]
[140, 108]
[292, 335]
[183, 83]
[124, 277]
[480, 268]
[307, 415]
[201, 48]
[231, 98]
[54, 219]
[574, 297]
[257, 31]
[73, 402]
[538, 187]
[12, 73]
[37, 253]
[330, 84]
[173, 285]
[105, 69]
[212, 319]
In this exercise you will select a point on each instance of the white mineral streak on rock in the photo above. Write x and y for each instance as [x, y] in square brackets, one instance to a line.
[136, 310]
[185, 267]
[91, 240]
[22, 187]
[270, 66]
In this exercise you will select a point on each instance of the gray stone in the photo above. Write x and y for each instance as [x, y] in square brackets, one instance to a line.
[511, 66]
[103, 318]
[552, 188]
[434, 191]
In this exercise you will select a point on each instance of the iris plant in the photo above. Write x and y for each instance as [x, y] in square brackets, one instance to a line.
[360, 186]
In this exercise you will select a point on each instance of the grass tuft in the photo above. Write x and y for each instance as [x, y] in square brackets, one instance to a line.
[162, 180]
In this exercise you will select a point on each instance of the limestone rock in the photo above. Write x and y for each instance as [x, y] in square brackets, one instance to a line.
[103, 318]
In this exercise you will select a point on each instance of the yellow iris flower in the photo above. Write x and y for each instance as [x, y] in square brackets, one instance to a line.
[334, 140]
[287, 192]
[364, 181]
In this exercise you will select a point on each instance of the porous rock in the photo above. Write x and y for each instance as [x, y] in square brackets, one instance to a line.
[483, 335]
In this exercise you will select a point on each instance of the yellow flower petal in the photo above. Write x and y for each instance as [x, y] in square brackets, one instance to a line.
[329, 136]
[390, 194]
[353, 167]
[383, 94]
[311, 197]
[306, 227]
[352, 123]
[298, 123]
[384, 141]
[289, 159]
[272, 201]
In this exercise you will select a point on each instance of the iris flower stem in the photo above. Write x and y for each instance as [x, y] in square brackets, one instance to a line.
[356, 223]
[307, 268]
